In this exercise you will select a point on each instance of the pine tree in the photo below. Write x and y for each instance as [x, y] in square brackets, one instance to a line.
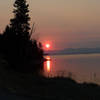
[20, 51]
[20, 22]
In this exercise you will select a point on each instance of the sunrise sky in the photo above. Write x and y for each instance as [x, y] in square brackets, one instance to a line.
[62, 23]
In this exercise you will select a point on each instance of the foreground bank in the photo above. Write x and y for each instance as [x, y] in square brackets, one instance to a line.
[28, 87]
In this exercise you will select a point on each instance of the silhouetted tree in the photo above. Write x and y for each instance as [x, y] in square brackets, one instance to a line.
[22, 53]
[20, 22]
[1, 43]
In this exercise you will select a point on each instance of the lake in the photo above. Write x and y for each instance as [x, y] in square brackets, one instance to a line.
[81, 67]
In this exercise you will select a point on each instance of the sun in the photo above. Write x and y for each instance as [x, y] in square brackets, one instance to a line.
[47, 46]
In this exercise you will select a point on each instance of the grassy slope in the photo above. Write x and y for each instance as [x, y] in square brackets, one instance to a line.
[26, 87]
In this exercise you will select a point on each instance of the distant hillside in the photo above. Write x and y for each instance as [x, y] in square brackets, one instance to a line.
[74, 51]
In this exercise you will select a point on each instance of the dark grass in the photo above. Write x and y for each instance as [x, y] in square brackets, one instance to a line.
[37, 88]
[22, 86]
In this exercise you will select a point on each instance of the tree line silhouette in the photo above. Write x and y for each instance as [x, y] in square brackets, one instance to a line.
[20, 51]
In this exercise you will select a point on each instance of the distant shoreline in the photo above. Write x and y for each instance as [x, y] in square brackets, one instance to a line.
[73, 51]
[69, 54]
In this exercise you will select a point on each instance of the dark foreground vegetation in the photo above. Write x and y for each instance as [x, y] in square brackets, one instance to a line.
[27, 86]
[22, 52]
[18, 86]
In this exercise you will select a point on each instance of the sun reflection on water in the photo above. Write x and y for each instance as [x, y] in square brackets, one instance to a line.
[48, 64]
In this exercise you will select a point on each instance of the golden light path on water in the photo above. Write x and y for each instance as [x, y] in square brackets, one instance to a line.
[48, 65]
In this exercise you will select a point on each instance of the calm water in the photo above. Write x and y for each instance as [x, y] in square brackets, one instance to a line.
[83, 67]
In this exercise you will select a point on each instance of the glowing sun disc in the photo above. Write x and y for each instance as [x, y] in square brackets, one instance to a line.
[47, 46]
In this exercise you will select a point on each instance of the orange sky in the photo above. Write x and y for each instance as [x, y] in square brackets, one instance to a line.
[65, 23]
